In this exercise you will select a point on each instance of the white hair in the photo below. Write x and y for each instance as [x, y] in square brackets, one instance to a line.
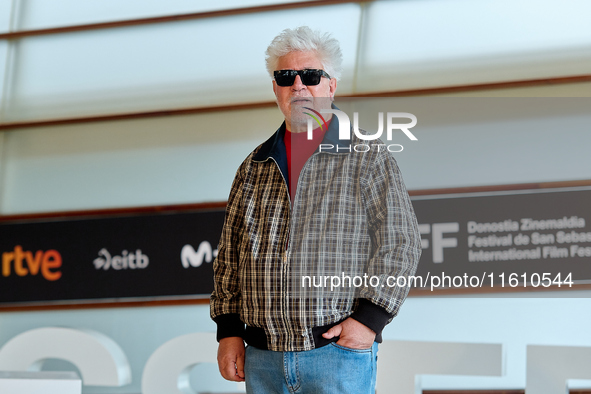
[305, 39]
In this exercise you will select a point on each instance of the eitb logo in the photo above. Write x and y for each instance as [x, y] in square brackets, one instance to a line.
[345, 129]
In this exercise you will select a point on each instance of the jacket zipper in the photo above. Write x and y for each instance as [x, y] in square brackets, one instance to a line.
[284, 294]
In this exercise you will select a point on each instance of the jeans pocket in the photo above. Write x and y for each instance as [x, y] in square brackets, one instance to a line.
[368, 350]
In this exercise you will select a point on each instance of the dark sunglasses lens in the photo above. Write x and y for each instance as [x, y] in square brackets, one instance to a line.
[308, 77]
[311, 77]
[285, 77]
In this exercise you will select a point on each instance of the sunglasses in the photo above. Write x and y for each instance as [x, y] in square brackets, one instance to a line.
[309, 77]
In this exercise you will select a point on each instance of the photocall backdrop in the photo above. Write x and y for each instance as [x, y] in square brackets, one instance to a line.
[471, 242]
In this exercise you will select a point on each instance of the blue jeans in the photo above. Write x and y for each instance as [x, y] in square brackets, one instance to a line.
[331, 369]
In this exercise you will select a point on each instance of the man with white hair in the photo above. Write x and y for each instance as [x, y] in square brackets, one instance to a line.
[298, 218]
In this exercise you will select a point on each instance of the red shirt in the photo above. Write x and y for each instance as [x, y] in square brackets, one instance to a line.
[299, 149]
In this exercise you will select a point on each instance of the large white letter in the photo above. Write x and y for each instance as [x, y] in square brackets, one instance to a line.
[402, 363]
[424, 229]
[549, 367]
[40, 382]
[98, 358]
[439, 242]
[168, 368]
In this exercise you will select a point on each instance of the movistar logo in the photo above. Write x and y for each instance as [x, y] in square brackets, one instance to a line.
[194, 258]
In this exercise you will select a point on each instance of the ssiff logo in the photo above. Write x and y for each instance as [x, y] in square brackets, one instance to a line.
[345, 129]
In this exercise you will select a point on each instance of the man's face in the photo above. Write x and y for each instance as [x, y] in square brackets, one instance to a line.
[292, 99]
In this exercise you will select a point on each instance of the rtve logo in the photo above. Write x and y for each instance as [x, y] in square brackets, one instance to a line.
[25, 263]
[438, 243]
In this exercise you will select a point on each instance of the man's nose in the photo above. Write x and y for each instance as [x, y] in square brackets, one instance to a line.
[297, 83]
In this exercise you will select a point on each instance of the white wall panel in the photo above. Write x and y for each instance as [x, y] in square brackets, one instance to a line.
[3, 191]
[5, 14]
[486, 141]
[157, 161]
[187, 159]
[191, 63]
[558, 90]
[5, 63]
[504, 152]
[50, 13]
[417, 44]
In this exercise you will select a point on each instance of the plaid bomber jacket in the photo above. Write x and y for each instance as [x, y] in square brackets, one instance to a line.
[285, 273]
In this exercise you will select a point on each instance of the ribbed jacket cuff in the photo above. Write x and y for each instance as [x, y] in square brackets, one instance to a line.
[229, 325]
[371, 315]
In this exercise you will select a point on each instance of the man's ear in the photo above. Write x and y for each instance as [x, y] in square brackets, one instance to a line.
[274, 88]
[332, 87]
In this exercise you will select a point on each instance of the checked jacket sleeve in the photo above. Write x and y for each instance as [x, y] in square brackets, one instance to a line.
[396, 245]
[225, 301]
